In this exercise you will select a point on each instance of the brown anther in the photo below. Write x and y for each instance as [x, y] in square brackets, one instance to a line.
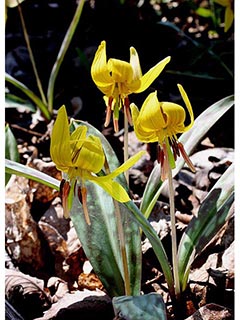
[165, 166]
[185, 157]
[61, 187]
[160, 157]
[108, 116]
[175, 149]
[64, 192]
[82, 195]
[115, 125]
[127, 111]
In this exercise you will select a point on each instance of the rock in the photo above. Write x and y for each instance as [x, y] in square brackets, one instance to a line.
[212, 311]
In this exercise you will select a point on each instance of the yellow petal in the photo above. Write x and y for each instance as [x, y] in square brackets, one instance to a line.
[148, 78]
[60, 141]
[141, 134]
[77, 139]
[229, 16]
[188, 105]
[134, 61]
[121, 71]
[124, 167]
[113, 188]
[151, 116]
[91, 156]
[99, 70]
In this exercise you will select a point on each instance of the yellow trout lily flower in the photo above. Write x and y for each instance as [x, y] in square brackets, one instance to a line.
[117, 79]
[161, 122]
[80, 158]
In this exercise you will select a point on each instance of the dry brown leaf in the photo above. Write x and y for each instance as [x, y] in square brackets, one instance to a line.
[26, 294]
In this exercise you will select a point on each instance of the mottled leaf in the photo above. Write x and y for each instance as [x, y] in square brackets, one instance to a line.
[148, 307]
[212, 215]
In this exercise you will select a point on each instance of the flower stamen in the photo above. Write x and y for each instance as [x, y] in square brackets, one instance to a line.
[185, 156]
[82, 196]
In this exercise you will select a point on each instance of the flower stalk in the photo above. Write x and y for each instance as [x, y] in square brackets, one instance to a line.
[174, 234]
[122, 243]
[125, 145]
[122, 249]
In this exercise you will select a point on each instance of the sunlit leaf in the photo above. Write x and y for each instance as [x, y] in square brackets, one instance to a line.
[19, 169]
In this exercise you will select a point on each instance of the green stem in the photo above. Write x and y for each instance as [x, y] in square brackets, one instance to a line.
[125, 150]
[173, 227]
[122, 249]
[31, 56]
[62, 52]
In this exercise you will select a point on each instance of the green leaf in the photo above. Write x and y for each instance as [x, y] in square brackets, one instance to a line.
[42, 107]
[62, 53]
[148, 307]
[155, 242]
[99, 240]
[190, 140]
[19, 169]
[203, 12]
[12, 101]
[212, 215]
[11, 149]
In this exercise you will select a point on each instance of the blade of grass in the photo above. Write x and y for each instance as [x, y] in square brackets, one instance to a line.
[62, 52]
[31, 56]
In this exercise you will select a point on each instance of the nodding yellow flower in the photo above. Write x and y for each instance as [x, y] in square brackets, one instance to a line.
[80, 158]
[161, 122]
[117, 79]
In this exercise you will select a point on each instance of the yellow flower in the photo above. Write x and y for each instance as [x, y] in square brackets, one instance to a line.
[161, 122]
[117, 79]
[229, 15]
[80, 158]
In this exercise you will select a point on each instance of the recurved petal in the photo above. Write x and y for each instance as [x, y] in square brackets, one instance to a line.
[60, 141]
[135, 63]
[112, 187]
[151, 116]
[99, 69]
[124, 167]
[188, 105]
[148, 78]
